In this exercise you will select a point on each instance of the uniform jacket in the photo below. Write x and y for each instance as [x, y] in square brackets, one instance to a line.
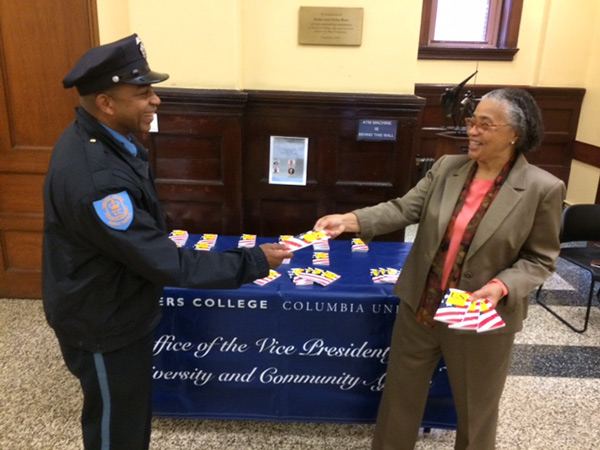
[517, 240]
[101, 284]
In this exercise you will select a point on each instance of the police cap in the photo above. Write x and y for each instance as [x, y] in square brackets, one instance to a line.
[123, 61]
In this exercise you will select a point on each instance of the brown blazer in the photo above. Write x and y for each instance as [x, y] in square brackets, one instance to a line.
[516, 241]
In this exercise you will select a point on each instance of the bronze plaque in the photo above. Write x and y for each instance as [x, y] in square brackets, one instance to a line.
[330, 26]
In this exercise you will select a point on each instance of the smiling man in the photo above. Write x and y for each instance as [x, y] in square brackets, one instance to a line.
[106, 252]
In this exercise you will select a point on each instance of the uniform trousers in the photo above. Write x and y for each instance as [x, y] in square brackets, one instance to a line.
[477, 365]
[117, 395]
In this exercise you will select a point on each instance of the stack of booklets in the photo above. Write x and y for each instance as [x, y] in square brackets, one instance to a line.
[180, 237]
[320, 259]
[322, 244]
[273, 275]
[247, 241]
[206, 242]
[385, 275]
[358, 245]
[312, 275]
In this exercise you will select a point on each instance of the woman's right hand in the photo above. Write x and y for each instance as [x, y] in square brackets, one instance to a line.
[335, 224]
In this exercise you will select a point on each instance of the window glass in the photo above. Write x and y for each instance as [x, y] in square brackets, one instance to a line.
[461, 20]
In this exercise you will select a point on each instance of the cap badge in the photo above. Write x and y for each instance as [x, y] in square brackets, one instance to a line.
[140, 45]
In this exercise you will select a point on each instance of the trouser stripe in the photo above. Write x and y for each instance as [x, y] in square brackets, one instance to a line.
[104, 391]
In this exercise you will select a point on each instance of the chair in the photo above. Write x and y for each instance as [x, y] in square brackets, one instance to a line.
[579, 223]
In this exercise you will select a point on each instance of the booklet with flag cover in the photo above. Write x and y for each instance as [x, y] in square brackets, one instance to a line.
[303, 240]
[460, 313]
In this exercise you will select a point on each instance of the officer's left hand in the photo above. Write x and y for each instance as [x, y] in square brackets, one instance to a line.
[275, 254]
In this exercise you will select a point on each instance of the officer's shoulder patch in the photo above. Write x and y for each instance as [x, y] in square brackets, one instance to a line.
[115, 210]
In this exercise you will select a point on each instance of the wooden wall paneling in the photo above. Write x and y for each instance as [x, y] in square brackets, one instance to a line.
[271, 209]
[587, 153]
[196, 159]
[560, 109]
[343, 173]
[34, 110]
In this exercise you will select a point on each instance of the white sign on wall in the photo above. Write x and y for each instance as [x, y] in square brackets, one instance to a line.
[288, 160]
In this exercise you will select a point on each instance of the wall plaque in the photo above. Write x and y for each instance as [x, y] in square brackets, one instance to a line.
[330, 26]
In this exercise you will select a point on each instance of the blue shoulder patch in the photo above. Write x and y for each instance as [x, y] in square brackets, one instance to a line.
[115, 210]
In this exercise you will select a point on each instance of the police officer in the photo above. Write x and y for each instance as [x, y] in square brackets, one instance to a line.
[106, 251]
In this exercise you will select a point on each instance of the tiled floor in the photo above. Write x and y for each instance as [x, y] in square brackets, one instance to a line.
[551, 398]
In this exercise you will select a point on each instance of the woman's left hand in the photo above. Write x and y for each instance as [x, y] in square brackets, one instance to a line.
[491, 291]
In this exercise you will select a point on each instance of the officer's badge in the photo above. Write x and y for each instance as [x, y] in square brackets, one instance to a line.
[140, 44]
[115, 210]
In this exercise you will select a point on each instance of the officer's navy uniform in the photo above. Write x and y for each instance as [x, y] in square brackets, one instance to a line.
[106, 257]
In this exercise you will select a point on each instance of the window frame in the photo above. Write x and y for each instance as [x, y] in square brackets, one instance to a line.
[505, 47]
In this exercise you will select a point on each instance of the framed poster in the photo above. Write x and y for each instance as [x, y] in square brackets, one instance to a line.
[288, 160]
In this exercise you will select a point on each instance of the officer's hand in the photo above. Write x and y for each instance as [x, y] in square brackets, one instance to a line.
[275, 254]
[335, 224]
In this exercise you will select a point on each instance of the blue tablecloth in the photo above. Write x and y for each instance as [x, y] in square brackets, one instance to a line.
[285, 352]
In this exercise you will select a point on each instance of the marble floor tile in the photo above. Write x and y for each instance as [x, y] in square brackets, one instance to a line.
[539, 413]
[543, 328]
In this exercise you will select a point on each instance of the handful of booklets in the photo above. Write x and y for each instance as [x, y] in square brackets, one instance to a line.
[302, 240]
[282, 239]
[463, 314]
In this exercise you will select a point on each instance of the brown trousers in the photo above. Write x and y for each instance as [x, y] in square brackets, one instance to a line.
[478, 365]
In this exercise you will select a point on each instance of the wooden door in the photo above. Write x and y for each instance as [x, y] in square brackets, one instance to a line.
[40, 40]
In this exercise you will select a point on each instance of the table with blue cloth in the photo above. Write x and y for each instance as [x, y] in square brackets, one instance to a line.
[286, 352]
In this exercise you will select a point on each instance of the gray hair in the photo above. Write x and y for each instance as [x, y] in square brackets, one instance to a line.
[524, 116]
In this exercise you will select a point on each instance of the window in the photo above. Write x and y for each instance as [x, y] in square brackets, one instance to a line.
[470, 29]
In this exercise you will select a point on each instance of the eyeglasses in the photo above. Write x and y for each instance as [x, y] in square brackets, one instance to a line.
[483, 125]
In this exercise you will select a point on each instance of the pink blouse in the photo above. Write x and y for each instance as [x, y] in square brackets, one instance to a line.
[476, 194]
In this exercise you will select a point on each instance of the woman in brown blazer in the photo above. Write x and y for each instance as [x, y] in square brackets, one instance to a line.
[488, 224]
